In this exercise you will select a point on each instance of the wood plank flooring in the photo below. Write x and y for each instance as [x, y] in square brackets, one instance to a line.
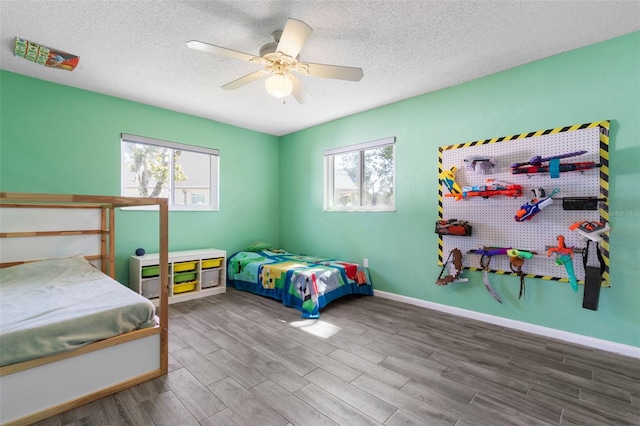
[241, 359]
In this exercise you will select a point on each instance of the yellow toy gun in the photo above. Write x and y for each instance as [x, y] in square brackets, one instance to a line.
[448, 177]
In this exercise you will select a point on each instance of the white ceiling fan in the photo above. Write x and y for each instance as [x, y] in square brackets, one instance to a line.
[280, 59]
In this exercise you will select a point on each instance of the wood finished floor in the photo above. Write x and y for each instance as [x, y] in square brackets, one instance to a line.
[239, 359]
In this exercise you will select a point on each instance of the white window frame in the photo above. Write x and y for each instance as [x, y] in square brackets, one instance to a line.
[329, 187]
[214, 179]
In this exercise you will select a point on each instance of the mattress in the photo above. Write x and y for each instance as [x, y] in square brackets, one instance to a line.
[52, 306]
[307, 283]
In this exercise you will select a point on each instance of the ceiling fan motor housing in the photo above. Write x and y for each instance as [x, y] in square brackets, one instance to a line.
[268, 48]
[272, 45]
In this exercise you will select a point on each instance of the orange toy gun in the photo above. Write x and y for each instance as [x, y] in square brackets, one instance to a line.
[591, 230]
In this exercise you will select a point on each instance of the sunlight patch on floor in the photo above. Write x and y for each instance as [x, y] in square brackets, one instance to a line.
[316, 327]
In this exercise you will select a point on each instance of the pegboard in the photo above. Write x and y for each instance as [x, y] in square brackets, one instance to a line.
[493, 218]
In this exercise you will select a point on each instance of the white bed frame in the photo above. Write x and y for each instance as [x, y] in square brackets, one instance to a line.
[35, 390]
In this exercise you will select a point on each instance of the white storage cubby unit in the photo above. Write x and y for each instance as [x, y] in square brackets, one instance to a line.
[192, 274]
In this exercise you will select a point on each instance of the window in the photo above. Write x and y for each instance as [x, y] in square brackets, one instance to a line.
[360, 177]
[186, 175]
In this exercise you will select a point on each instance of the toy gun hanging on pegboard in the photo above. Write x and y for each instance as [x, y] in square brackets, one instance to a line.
[448, 178]
[581, 203]
[591, 229]
[564, 256]
[541, 201]
[555, 167]
[453, 227]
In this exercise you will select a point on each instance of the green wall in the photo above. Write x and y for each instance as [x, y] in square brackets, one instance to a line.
[595, 83]
[57, 139]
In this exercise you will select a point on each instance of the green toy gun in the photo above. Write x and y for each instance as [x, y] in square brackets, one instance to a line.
[522, 254]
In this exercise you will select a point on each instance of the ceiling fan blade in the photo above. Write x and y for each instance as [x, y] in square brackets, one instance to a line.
[211, 48]
[293, 37]
[330, 71]
[298, 91]
[245, 80]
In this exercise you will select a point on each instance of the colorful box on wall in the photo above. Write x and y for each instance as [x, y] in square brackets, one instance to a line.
[44, 55]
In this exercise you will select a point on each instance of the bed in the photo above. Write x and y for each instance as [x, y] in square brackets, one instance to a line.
[307, 283]
[70, 333]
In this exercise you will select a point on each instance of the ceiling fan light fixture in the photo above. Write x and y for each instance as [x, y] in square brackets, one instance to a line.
[278, 85]
[279, 59]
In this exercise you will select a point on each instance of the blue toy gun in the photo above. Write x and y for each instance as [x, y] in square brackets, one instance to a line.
[533, 207]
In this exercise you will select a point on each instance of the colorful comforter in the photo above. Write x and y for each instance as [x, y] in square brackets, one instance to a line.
[307, 283]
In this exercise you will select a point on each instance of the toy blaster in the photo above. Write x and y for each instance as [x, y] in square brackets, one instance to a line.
[496, 251]
[492, 189]
[591, 230]
[448, 178]
[520, 254]
[555, 167]
[453, 227]
[581, 203]
[533, 207]
[490, 251]
[564, 256]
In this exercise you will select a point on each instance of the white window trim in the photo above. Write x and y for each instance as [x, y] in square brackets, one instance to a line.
[328, 175]
[215, 167]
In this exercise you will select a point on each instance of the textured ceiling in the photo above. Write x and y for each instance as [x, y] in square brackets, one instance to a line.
[136, 49]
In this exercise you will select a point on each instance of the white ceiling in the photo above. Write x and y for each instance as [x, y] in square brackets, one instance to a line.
[136, 49]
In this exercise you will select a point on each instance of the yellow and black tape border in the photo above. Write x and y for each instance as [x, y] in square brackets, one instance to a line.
[604, 188]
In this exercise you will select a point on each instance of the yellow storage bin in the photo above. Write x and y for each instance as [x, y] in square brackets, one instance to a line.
[211, 263]
[184, 287]
[184, 266]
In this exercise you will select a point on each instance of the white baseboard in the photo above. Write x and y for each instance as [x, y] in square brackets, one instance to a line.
[579, 339]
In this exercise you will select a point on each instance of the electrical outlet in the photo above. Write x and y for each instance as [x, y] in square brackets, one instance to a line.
[366, 263]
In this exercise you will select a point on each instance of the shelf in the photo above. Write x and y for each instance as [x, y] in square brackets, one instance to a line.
[194, 273]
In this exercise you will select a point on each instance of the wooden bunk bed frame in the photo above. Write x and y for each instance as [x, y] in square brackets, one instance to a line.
[35, 390]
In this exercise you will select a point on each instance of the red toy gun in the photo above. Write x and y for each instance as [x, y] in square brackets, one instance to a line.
[491, 189]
